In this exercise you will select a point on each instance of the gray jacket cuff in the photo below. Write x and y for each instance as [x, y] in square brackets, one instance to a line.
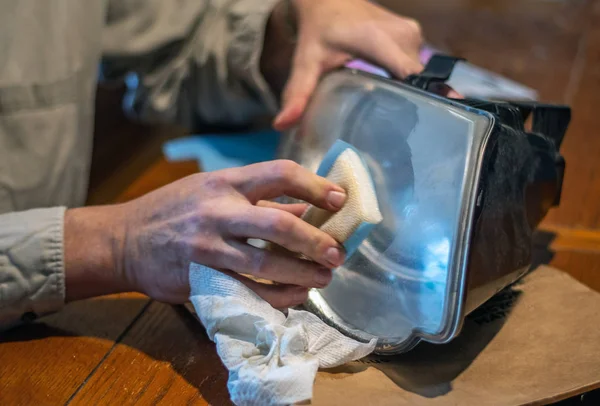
[32, 280]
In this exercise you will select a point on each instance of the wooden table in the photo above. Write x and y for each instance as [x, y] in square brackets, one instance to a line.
[115, 349]
[129, 349]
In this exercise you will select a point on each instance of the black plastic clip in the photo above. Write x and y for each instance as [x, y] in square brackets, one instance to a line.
[547, 119]
[438, 69]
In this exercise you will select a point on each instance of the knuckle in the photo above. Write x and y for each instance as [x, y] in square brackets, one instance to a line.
[414, 27]
[320, 244]
[412, 31]
[215, 181]
[209, 252]
[281, 222]
[256, 262]
[238, 224]
[285, 169]
[208, 216]
[375, 35]
[371, 26]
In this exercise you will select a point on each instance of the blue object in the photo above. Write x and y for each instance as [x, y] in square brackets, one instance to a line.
[223, 151]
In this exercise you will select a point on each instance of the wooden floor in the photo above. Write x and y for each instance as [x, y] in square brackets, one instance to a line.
[128, 349]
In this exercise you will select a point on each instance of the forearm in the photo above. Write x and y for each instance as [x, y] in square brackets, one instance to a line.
[49, 256]
[93, 238]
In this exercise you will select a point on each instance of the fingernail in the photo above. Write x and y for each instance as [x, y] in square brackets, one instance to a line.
[336, 199]
[323, 277]
[333, 256]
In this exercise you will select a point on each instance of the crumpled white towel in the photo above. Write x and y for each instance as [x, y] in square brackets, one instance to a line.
[272, 358]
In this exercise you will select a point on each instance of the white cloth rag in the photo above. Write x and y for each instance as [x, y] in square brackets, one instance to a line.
[272, 358]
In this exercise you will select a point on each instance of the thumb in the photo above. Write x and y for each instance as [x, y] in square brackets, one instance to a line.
[303, 80]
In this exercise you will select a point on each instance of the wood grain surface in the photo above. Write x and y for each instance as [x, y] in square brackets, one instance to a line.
[166, 358]
[126, 349]
[47, 362]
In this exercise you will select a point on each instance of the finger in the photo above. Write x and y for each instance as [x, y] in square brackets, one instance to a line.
[290, 113]
[297, 209]
[444, 90]
[398, 62]
[304, 77]
[246, 259]
[269, 180]
[453, 94]
[387, 53]
[278, 296]
[409, 35]
[294, 234]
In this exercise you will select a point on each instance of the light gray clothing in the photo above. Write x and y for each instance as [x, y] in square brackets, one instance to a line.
[186, 61]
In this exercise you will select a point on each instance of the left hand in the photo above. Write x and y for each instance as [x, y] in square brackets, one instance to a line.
[331, 32]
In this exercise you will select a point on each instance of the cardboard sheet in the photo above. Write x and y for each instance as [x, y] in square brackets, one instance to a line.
[535, 343]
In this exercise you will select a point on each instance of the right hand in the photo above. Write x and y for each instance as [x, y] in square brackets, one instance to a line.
[331, 32]
[208, 217]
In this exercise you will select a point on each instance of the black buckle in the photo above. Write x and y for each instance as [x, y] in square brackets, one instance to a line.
[438, 69]
[549, 120]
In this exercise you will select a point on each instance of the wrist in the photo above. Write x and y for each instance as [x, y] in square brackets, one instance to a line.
[278, 47]
[93, 240]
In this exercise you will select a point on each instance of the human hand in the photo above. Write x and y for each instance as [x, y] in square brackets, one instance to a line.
[330, 32]
[207, 218]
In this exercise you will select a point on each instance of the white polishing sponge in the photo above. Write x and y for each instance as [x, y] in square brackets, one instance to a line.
[352, 224]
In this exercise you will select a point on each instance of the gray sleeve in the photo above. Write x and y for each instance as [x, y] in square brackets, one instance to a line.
[189, 62]
[31, 264]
